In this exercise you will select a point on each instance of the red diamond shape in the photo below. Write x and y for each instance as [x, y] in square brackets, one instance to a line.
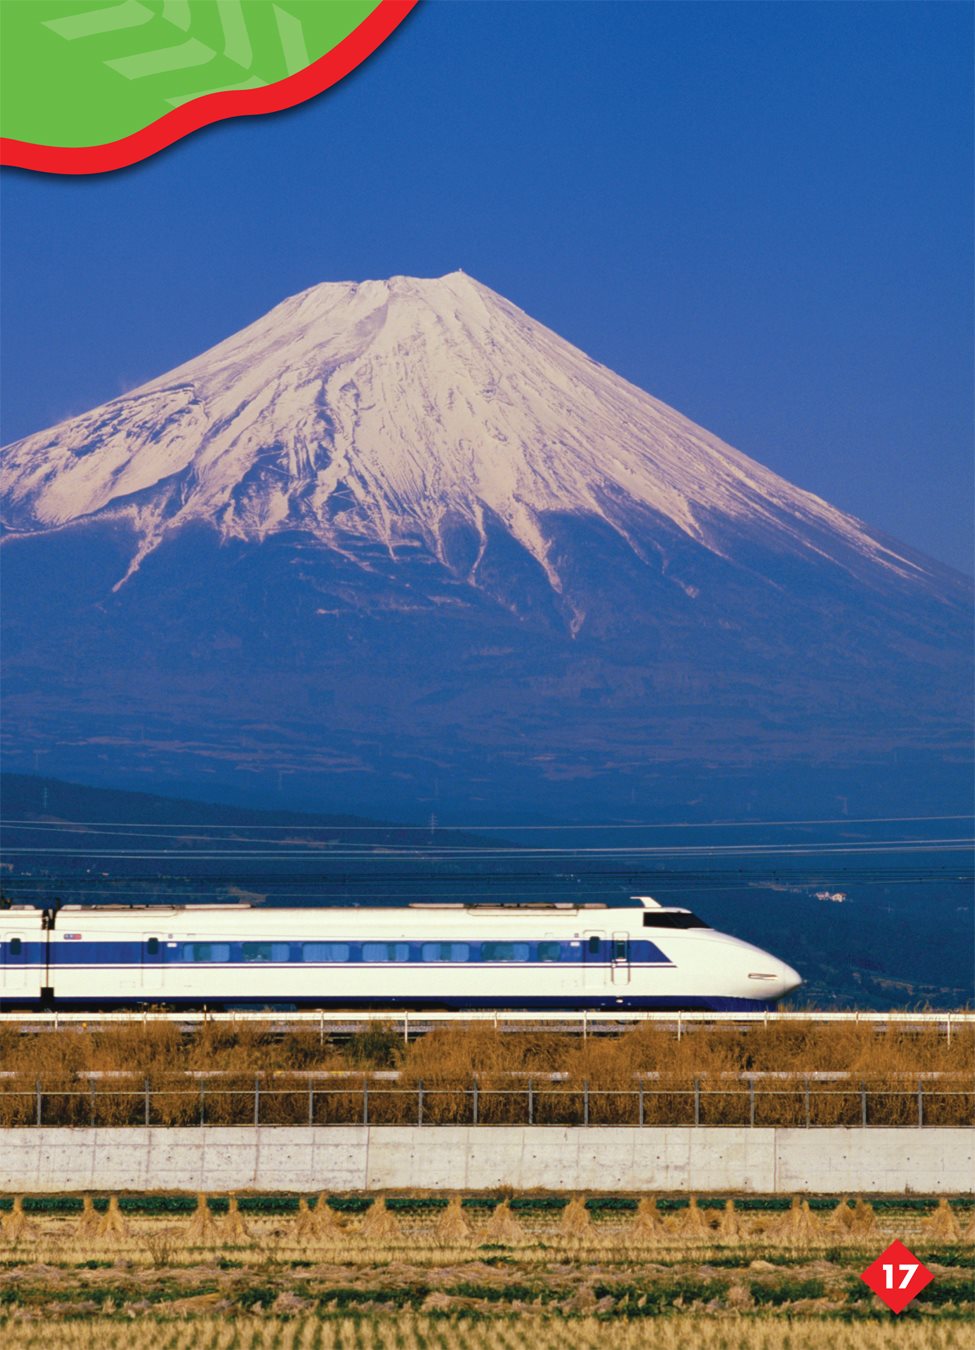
[897, 1276]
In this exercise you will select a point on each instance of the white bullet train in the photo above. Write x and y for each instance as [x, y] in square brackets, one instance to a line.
[629, 954]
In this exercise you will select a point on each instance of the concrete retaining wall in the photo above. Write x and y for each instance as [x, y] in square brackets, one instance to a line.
[464, 1158]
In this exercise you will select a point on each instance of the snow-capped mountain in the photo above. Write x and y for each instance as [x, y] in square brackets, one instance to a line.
[429, 517]
[401, 411]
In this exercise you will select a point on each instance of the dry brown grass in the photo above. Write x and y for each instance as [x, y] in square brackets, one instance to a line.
[202, 1230]
[799, 1226]
[430, 1237]
[112, 1226]
[15, 1226]
[379, 1225]
[840, 1222]
[888, 1061]
[453, 1228]
[942, 1226]
[691, 1223]
[408, 1331]
[648, 1224]
[319, 1224]
[503, 1228]
[575, 1221]
[864, 1220]
[90, 1221]
[233, 1230]
[729, 1227]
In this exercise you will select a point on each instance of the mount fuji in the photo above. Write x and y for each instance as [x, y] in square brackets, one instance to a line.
[398, 545]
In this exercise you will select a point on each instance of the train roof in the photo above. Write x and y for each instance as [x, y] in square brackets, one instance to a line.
[633, 902]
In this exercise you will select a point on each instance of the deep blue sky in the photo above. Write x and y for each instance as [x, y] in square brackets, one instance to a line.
[762, 213]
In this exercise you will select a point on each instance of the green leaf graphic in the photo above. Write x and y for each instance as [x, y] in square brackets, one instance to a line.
[76, 73]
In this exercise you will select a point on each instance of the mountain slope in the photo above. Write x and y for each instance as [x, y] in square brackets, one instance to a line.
[389, 410]
[405, 534]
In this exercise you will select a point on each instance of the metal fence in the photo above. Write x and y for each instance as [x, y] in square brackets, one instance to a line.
[407, 1023]
[806, 1102]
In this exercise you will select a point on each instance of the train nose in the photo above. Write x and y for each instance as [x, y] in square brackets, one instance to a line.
[775, 979]
[789, 979]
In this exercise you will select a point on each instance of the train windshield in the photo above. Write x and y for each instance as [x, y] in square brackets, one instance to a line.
[684, 919]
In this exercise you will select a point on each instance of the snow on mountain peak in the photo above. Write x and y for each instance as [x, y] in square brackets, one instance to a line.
[388, 411]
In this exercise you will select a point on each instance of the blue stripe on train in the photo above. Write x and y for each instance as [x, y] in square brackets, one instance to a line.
[220, 953]
[586, 1003]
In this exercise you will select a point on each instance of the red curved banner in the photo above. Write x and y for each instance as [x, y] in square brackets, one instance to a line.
[201, 112]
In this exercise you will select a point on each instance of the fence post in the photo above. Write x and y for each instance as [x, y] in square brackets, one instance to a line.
[697, 1101]
[419, 1101]
[203, 1095]
[257, 1100]
[146, 1090]
[641, 1103]
[365, 1101]
[585, 1101]
[920, 1104]
[531, 1103]
[863, 1104]
[807, 1104]
[311, 1103]
[38, 1089]
[751, 1102]
[474, 1101]
[91, 1100]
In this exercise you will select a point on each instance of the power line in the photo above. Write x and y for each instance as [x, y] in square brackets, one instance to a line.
[444, 855]
[13, 822]
[473, 885]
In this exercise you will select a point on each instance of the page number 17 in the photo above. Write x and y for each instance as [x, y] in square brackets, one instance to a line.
[908, 1272]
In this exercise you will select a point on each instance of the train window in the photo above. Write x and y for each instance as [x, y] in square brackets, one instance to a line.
[685, 920]
[619, 949]
[445, 951]
[264, 951]
[594, 946]
[325, 951]
[152, 946]
[504, 951]
[206, 951]
[385, 951]
[16, 946]
[549, 951]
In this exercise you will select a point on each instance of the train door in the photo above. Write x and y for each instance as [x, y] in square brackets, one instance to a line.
[620, 958]
[152, 965]
[14, 965]
[594, 959]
